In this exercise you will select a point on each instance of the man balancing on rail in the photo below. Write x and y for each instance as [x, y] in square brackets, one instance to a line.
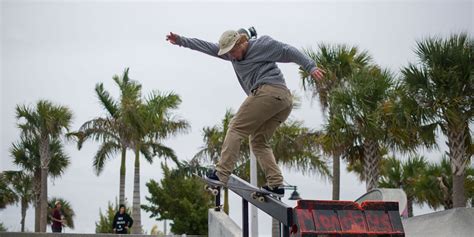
[268, 102]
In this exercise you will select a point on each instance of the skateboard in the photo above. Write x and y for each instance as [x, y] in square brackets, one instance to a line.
[258, 194]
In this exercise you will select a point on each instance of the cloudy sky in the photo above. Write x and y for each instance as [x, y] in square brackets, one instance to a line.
[59, 50]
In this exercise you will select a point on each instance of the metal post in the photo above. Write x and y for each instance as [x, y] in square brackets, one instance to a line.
[253, 181]
[286, 231]
[245, 218]
[165, 226]
[271, 206]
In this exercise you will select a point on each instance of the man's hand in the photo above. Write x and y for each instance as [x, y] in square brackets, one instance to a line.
[318, 74]
[172, 38]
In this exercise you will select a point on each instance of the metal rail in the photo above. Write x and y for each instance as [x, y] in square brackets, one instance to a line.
[272, 206]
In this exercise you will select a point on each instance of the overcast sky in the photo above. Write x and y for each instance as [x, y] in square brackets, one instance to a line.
[59, 50]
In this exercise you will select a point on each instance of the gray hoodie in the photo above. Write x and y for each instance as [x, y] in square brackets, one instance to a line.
[258, 66]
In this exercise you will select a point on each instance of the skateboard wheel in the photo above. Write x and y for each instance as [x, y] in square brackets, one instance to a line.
[261, 199]
[215, 192]
[206, 187]
[254, 196]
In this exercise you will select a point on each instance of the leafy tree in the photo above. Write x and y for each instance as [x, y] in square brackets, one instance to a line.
[152, 121]
[133, 123]
[439, 92]
[7, 195]
[189, 211]
[3, 228]
[111, 130]
[45, 123]
[405, 175]
[436, 186]
[358, 117]
[22, 184]
[26, 155]
[339, 61]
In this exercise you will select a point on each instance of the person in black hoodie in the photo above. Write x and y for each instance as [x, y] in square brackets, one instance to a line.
[122, 221]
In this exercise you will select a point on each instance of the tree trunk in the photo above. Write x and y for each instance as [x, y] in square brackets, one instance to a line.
[275, 228]
[459, 194]
[447, 194]
[122, 177]
[45, 158]
[43, 200]
[226, 201]
[24, 207]
[37, 215]
[336, 177]
[137, 225]
[37, 191]
[410, 206]
[459, 161]
[371, 164]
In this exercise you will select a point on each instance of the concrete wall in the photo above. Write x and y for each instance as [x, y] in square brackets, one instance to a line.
[453, 222]
[220, 224]
[30, 234]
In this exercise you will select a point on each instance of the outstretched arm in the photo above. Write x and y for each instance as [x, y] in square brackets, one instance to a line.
[196, 44]
[284, 53]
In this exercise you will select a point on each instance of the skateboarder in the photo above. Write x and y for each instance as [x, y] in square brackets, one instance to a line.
[268, 102]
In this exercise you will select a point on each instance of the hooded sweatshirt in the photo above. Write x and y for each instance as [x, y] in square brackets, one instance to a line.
[120, 221]
[258, 66]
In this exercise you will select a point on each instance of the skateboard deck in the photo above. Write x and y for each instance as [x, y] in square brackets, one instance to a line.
[214, 186]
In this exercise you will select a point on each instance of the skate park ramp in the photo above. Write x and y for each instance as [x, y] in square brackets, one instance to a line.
[454, 222]
[388, 195]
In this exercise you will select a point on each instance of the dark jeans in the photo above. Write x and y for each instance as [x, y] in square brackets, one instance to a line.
[56, 229]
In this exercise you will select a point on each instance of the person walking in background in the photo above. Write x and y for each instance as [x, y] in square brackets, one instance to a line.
[122, 221]
[268, 103]
[57, 218]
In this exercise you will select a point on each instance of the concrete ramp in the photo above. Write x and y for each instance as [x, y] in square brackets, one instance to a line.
[220, 224]
[387, 195]
[458, 222]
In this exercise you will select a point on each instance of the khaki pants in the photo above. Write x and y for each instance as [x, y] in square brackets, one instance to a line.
[259, 116]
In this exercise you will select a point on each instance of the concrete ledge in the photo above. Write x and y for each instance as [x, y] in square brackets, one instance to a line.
[29, 234]
[220, 224]
[452, 222]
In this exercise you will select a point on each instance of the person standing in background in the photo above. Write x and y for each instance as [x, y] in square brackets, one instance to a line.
[122, 221]
[57, 218]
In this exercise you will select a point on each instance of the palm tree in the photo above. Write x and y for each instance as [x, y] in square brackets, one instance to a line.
[358, 117]
[26, 155]
[405, 175]
[440, 90]
[66, 211]
[7, 194]
[339, 61]
[45, 122]
[293, 147]
[436, 186]
[111, 130]
[22, 184]
[151, 121]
